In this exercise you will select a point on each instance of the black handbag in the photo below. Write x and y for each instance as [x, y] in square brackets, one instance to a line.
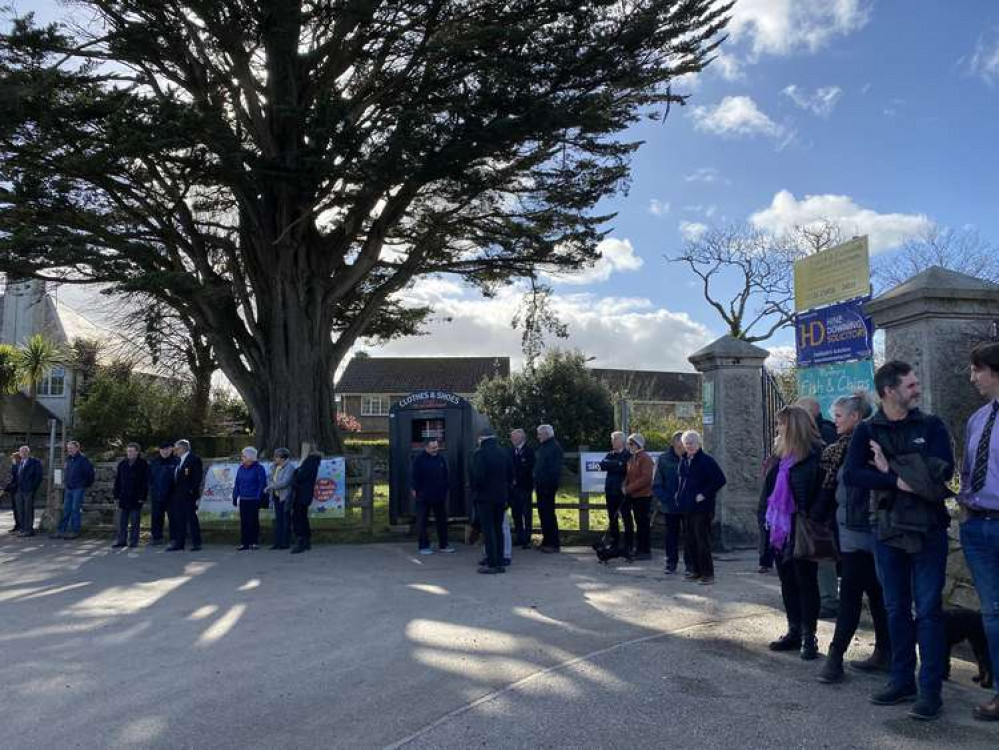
[265, 501]
[814, 540]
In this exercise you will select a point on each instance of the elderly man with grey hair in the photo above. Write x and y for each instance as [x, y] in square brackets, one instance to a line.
[521, 505]
[184, 496]
[547, 476]
[615, 466]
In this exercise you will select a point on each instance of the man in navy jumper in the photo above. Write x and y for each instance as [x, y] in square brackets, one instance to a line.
[77, 477]
[904, 457]
[429, 489]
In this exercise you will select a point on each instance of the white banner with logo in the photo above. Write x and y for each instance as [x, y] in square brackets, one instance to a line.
[591, 478]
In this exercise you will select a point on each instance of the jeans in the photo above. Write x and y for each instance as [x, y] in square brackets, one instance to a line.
[26, 511]
[980, 538]
[490, 516]
[860, 577]
[546, 514]
[157, 513]
[641, 507]
[799, 588]
[72, 505]
[828, 585]
[697, 543]
[249, 520]
[523, 514]
[128, 526]
[674, 528]
[919, 577]
[423, 510]
[282, 522]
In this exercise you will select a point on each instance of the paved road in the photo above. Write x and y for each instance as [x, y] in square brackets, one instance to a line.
[375, 647]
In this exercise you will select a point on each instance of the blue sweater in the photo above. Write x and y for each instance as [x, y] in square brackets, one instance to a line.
[250, 481]
[78, 473]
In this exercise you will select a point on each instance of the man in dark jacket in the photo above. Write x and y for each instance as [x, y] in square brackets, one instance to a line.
[827, 430]
[700, 478]
[665, 485]
[303, 488]
[185, 493]
[131, 485]
[547, 477]
[29, 479]
[490, 478]
[905, 458]
[161, 470]
[429, 487]
[77, 477]
[521, 505]
[615, 465]
[11, 489]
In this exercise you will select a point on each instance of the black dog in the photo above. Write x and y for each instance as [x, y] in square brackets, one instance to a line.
[607, 552]
[965, 625]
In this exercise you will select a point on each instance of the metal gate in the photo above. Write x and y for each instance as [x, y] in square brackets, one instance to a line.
[773, 401]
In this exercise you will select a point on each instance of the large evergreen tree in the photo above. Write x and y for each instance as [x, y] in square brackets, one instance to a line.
[279, 171]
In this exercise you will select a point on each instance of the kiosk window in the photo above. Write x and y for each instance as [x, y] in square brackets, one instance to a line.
[425, 429]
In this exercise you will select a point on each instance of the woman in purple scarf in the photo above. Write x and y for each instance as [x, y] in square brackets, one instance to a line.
[791, 489]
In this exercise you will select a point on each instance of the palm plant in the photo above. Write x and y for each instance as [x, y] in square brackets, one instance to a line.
[11, 378]
[38, 355]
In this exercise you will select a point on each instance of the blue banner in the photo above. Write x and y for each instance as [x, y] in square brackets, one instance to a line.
[827, 383]
[837, 333]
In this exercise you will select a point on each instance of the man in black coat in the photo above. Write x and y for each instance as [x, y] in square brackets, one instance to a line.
[490, 479]
[161, 470]
[184, 496]
[547, 476]
[131, 486]
[522, 457]
[29, 479]
[429, 486]
[11, 489]
[303, 486]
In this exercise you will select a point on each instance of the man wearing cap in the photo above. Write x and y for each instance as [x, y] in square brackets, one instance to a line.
[638, 496]
[490, 478]
[161, 469]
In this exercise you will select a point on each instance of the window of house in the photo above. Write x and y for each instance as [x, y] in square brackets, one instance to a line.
[686, 410]
[53, 383]
[375, 406]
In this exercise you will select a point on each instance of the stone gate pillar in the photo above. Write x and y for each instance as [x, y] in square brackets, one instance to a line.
[733, 433]
[933, 321]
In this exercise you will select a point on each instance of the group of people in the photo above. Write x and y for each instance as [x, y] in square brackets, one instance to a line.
[498, 479]
[871, 497]
[171, 481]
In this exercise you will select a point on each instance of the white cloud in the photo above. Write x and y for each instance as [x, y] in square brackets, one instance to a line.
[707, 175]
[619, 332]
[658, 207]
[820, 102]
[737, 116]
[728, 66]
[615, 255]
[782, 27]
[886, 231]
[692, 230]
[984, 61]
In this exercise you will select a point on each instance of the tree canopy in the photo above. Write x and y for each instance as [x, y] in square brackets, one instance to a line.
[280, 171]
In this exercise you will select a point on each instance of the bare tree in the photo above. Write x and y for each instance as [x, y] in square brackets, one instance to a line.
[962, 250]
[746, 273]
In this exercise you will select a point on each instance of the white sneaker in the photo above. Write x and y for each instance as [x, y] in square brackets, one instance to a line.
[427, 551]
[447, 550]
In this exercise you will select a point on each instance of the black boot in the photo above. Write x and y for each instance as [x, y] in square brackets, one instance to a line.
[879, 661]
[790, 641]
[809, 647]
[832, 671]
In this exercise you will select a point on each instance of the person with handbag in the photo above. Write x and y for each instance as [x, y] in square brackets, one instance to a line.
[796, 517]
[279, 488]
[856, 545]
[247, 495]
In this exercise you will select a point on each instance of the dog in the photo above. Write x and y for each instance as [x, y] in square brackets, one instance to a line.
[965, 625]
[607, 552]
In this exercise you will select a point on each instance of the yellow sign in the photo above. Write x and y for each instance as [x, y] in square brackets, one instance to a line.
[840, 273]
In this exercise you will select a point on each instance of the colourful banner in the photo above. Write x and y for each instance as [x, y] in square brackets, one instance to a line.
[329, 496]
[826, 383]
[591, 477]
[834, 275]
[838, 333]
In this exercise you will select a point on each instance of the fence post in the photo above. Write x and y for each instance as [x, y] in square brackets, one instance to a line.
[367, 490]
[584, 497]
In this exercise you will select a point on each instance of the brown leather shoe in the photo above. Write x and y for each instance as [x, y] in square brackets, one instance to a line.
[988, 711]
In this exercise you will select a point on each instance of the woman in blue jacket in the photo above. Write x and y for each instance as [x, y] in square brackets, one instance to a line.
[247, 492]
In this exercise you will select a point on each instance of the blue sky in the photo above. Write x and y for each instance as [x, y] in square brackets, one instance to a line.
[880, 115]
